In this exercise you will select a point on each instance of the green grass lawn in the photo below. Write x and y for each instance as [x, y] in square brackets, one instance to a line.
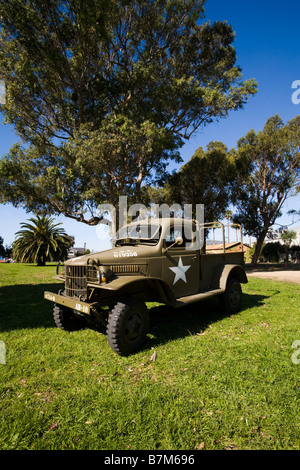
[217, 383]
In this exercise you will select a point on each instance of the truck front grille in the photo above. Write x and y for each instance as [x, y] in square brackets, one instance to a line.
[92, 274]
[75, 284]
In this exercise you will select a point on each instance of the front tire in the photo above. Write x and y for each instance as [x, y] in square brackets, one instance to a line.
[66, 320]
[127, 326]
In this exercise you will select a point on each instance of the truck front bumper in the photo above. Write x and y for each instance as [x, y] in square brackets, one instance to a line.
[74, 304]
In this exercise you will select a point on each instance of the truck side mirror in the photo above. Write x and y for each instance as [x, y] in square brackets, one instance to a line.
[178, 241]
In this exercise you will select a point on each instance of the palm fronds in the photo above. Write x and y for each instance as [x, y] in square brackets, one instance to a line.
[41, 240]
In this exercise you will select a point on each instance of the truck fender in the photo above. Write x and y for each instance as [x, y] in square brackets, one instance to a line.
[229, 270]
[136, 284]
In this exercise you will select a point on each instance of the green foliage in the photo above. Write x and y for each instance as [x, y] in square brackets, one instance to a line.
[2, 249]
[268, 165]
[273, 251]
[288, 236]
[135, 152]
[294, 252]
[104, 93]
[41, 241]
[205, 179]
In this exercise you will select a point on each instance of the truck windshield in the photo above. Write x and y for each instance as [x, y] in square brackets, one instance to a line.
[136, 233]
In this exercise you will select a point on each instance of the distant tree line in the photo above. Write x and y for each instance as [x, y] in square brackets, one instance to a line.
[5, 251]
[257, 178]
[274, 252]
[280, 251]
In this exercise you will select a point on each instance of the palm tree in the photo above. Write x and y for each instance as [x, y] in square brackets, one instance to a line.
[41, 241]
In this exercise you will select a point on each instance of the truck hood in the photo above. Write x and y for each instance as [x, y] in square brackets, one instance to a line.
[126, 254]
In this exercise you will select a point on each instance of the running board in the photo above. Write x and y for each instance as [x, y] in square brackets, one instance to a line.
[195, 297]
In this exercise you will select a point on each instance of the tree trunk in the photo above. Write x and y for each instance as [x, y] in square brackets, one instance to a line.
[41, 260]
[258, 246]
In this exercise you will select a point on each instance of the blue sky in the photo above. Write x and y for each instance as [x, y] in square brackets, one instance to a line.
[268, 49]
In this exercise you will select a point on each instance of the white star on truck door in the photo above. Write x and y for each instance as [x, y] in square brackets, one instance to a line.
[180, 271]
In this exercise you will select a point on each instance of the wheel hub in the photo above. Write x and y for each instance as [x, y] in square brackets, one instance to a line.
[133, 326]
[234, 296]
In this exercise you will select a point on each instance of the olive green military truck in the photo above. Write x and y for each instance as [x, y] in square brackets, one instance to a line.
[160, 260]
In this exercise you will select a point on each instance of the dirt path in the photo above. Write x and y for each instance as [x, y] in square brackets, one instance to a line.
[278, 275]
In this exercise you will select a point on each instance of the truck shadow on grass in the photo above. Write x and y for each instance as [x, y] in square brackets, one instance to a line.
[23, 306]
[167, 324]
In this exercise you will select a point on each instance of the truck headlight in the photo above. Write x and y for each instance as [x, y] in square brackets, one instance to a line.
[102, 276]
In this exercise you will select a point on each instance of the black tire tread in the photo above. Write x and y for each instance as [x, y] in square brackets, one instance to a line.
[114, 326]
[224, 298]
[66, 320]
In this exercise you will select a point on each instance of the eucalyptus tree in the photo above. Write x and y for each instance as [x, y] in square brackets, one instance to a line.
[268, 174]
[205, 179]
[104, 93]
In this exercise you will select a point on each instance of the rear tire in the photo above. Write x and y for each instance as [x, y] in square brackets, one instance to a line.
[66, 320]
[127, 326]
[232, 298]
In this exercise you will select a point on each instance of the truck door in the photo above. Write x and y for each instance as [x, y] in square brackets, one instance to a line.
[181, 267]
